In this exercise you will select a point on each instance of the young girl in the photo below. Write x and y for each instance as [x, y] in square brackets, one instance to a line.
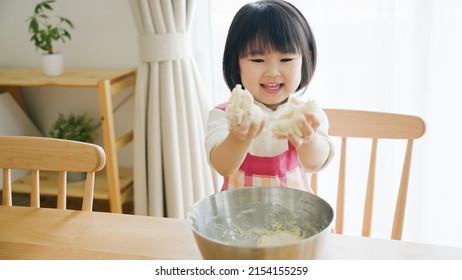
[271, 52]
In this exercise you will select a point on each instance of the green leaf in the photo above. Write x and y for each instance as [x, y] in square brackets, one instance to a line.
[66, 34]
[38, 9]
[33, 25]
[67, 21]
[48, 7]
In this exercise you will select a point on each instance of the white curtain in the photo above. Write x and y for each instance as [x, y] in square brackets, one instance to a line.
[399, 56]
[170, 168]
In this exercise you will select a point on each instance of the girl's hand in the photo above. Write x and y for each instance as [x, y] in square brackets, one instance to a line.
[245, 130]
[308, 127]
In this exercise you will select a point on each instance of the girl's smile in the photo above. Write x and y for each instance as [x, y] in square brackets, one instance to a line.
[271, 77]
[272, 88]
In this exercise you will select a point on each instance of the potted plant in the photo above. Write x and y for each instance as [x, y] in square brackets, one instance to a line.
[73, 127]
[46, 30]
[77, 128]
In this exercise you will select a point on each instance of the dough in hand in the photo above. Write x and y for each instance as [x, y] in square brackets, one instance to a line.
[287, 122]
[241, 104]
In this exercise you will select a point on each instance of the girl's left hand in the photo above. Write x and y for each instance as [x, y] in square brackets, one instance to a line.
[307, 128]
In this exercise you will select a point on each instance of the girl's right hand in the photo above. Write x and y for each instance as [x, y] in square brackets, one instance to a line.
[245, 130]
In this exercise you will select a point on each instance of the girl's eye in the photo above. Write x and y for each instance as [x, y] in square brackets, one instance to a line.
[286, 59]
[259, 60]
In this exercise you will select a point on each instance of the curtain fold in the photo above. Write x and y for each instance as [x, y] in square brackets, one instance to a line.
[170, 168]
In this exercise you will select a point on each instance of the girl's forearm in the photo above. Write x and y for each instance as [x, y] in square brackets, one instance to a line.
[227, 156]
[314, 153]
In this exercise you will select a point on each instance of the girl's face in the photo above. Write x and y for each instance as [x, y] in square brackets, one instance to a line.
[271, 77]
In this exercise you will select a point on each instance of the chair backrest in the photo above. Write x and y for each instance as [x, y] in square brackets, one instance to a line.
[50, 154]
[347, 124]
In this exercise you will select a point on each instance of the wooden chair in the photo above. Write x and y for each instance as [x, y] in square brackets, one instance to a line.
[348, 124]
[41, 153]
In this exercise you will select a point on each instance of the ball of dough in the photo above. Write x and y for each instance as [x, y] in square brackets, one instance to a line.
[287, 122]
[241, 104]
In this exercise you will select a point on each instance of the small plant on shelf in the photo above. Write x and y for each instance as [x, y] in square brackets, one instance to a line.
[74, 127]
[46, 30]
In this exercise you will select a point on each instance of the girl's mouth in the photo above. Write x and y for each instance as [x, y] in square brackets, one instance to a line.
[272, 87]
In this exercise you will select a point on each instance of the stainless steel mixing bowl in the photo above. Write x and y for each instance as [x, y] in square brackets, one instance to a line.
[231, 224]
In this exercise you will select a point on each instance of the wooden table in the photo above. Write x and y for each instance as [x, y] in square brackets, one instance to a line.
[28, 233]
[116, 186]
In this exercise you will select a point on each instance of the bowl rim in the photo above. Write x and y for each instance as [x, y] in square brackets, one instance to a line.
[217, 241]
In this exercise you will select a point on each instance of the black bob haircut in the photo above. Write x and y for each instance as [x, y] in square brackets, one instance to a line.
[267, 25]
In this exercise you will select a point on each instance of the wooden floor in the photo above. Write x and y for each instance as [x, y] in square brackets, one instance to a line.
[73, 203]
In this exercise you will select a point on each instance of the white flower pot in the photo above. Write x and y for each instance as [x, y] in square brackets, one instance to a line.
[53, 64]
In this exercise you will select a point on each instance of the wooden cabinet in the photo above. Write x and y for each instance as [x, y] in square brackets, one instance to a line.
[114, 183]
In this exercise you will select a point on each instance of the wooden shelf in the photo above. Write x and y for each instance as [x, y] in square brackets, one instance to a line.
[112, 184]
[49, 183]
[70, 77]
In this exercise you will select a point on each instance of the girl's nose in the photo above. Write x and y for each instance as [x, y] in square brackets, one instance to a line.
[272, 70]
